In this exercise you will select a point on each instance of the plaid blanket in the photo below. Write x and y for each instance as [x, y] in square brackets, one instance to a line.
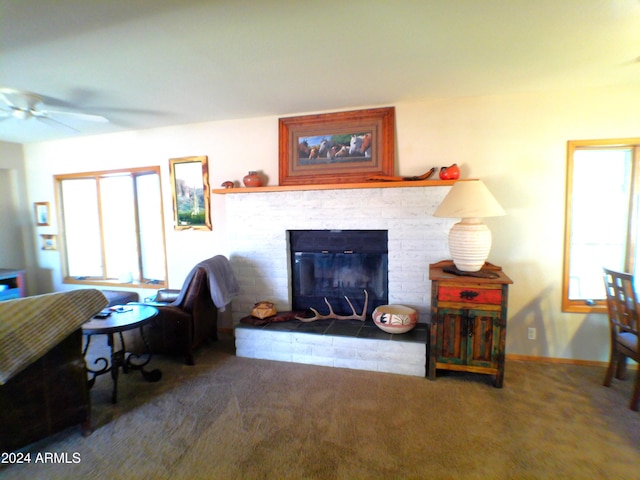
[31, 326]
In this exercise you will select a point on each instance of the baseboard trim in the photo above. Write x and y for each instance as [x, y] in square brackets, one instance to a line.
[567, 361]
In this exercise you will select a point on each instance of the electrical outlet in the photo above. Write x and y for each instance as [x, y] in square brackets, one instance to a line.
[531, 333]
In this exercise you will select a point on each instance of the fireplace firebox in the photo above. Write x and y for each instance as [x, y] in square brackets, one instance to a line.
[335, 264]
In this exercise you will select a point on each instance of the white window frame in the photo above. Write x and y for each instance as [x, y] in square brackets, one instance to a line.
[102, 280]
[629, 262]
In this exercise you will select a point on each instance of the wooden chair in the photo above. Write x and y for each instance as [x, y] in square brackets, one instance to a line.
[624, 312]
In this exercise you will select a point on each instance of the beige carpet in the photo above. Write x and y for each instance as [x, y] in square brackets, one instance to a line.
[237, 418]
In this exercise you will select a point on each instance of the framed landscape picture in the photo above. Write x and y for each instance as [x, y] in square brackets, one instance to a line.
[342, 147]
[42, 214]
[190, 188]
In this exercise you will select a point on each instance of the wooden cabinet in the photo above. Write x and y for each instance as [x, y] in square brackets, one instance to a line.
[468, 321]
[11, 284]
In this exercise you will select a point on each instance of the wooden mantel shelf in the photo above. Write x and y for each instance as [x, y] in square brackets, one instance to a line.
[334, 186]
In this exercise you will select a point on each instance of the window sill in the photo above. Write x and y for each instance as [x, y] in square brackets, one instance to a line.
[114, 283]
[573, 306]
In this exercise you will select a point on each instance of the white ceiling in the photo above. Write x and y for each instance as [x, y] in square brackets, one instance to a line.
[152, 63]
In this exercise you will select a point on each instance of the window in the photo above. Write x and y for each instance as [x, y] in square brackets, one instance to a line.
[112, 227]
[601, 223]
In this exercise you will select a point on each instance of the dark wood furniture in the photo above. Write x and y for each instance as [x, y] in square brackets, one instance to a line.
[131, 317]
[11, 284]
[468, 321]
[622, 305]
[42, 365]
[48, 396]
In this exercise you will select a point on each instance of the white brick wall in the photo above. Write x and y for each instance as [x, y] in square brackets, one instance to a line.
[258, 249]
[390, 356]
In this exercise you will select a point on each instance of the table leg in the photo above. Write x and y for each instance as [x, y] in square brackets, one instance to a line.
[105, 368]
[150, 376]
[119, 359]
[86, 346]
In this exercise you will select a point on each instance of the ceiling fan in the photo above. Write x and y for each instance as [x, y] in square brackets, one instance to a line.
[22, 105]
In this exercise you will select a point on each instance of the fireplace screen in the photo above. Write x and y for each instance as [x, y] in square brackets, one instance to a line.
[339, 263]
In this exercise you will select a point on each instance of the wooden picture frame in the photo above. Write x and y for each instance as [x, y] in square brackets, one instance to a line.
[342, 147]
[190, 189]
[43, 213]
[49, 242]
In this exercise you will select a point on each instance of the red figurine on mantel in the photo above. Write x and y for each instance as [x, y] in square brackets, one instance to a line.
[452, 172]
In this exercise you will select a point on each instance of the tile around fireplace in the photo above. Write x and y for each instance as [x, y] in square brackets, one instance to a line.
[346, 328]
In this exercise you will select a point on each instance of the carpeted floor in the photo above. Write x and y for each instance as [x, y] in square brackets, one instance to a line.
[238, 418]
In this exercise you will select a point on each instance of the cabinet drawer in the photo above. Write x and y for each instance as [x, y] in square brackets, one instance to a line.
[470, 295]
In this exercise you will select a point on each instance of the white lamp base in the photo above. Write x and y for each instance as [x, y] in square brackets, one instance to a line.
[469, 244]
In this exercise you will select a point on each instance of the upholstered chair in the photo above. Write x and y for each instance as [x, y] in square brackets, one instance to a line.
[188, 317]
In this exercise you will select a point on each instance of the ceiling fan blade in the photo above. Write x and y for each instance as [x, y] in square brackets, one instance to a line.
[24, 105]
[55, 123]
[18, 99]
[6, 99]
[87, 117]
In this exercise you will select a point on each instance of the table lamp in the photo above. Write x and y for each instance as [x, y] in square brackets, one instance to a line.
[469, 239]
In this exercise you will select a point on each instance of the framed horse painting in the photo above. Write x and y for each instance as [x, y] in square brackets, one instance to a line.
[342, 147]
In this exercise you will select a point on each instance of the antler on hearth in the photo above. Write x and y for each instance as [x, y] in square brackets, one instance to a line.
[331, 314]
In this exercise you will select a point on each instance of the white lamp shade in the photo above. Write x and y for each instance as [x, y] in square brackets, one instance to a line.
[469, 239]
[469, 199]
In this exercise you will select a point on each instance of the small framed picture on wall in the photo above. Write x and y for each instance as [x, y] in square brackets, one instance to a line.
[49, 242]
[42, 214]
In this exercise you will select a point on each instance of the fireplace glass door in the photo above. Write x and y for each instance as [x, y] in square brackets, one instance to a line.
[337, 264]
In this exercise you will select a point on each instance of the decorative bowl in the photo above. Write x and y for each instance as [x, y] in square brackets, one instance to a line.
[395, 318]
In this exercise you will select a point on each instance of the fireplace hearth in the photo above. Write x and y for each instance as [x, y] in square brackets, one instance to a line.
[336, 343]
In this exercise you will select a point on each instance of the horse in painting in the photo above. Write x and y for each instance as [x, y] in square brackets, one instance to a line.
[356, 144]
[303, 149]
[360, 145]
[365, 148]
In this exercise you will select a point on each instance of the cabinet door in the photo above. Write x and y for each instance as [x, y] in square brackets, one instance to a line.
[483, 332]
[451, 341]
[468, 337]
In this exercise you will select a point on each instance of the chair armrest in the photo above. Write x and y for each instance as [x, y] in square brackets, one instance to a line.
[166, 295]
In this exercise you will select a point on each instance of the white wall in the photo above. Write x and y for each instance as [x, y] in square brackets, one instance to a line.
[17, 216]
[515, 143]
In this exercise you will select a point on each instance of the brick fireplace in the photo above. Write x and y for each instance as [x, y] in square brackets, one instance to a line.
[257, 224]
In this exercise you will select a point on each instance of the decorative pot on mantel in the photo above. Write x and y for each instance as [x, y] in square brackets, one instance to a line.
[252, 179]
[452, 172]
